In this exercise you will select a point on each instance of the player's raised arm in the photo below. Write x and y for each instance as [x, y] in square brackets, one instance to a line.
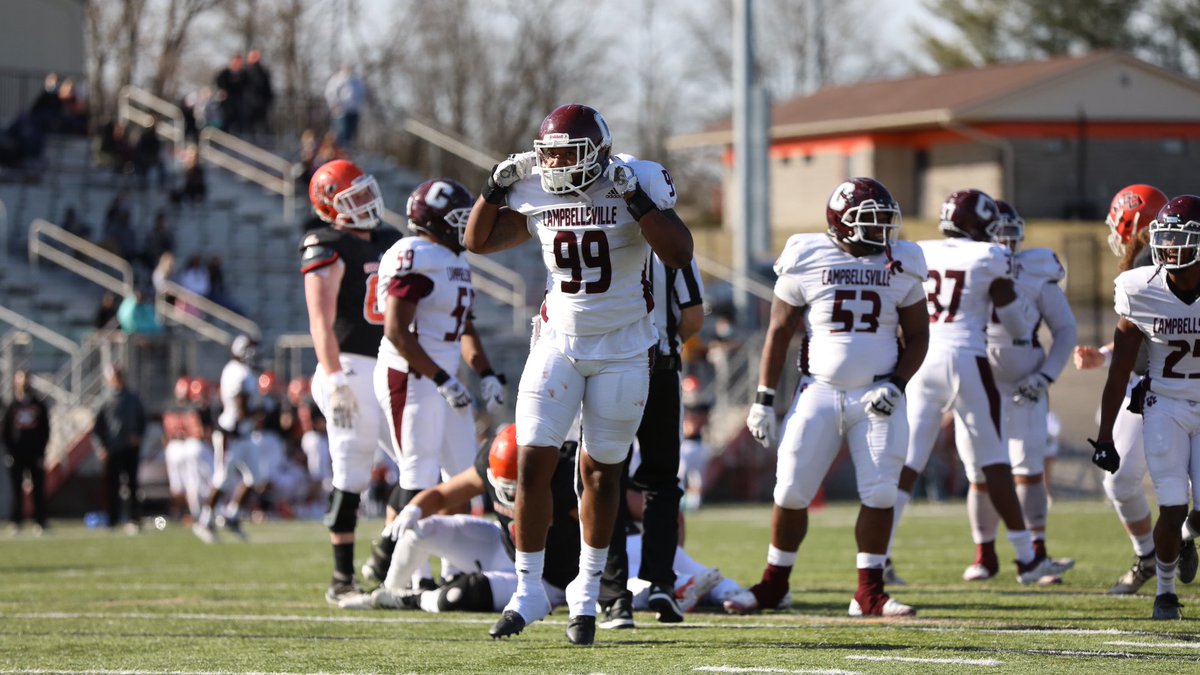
[492, 227]
[662, 228]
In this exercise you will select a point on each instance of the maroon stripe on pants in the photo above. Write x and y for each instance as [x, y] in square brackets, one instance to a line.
[993, 394]
[397, 382]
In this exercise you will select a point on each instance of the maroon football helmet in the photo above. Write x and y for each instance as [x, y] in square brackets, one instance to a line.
[969, 213]
[862, 211]
[440, 207]
[1009, 229]
[1175, 233]
[584, 134]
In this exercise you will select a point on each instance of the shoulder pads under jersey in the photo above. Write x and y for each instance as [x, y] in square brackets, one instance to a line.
[1041, 263]
[911, 259]
[654, 180]
[798, 249]
[318, 248]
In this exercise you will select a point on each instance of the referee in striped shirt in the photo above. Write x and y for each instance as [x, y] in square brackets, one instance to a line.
[678, 315]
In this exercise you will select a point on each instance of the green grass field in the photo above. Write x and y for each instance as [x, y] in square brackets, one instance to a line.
[88, 601]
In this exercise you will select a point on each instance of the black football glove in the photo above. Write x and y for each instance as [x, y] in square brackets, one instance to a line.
[1105, 456]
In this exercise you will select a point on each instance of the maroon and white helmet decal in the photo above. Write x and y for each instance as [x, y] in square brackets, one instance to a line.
[969, 213]
[440, 207]
[863, 211]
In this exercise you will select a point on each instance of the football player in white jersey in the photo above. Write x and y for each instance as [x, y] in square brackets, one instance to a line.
[968, 277]
[593, 213]
[1023, 373]
[1158, 305]
[426, 295]
[1132, 210]
[235, 453]
[851, 291]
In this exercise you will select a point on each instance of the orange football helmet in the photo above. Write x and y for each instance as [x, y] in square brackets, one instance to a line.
[502, 465]
[266, 383]
[1131, 211]
[343, 195]
[182, 386]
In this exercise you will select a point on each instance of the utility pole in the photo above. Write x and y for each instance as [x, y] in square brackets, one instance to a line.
[743, 167]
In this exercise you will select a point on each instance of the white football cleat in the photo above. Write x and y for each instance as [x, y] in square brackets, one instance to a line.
[1041, 574]
[207, 535]
[356, 601]
[892, 608]
[690, 594]
[744, 602]
[977, 572]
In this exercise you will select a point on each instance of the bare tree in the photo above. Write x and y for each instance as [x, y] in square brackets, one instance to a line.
[173, 42]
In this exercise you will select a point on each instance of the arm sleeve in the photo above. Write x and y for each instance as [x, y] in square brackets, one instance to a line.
[689, 289]
[1056, 312]
[411, 287]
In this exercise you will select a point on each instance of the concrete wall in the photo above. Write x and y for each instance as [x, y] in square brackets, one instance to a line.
[954, 166]
[800, 185]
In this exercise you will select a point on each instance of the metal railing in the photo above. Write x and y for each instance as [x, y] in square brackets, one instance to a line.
[145, 109]
[56, 340]
[207, 314]
[251, 162]
[3, 232]
[289, 355]
[121, 282]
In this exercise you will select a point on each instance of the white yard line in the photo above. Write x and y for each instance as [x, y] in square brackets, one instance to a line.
[772, 670]
[93, 671]
[913, 659]
[1156, 645]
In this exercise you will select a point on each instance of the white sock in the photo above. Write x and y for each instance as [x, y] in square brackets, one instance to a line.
[780, 557]
[1188, 533]
[529, 571]
[985, 520]
[1143, 544]
[429, 601]
[1034, 504]
[871, 561]
[1022, 543]
[232, 512]
[449, 571]
[902, 500]
[584, 591]
[1166, 575]
[206, 516]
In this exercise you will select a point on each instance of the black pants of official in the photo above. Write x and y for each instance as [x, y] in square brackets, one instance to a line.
[122, 463]
[657, 478]
[32, 464]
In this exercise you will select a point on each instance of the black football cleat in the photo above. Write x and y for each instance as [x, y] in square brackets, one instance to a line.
[662, 602]
[1167, 608]
[509, 623]
[618, 615]
[581, 630]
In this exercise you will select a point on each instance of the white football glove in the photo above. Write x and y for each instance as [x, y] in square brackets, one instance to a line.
[455, 393]
[621, 175]
[514, 168]
[342, 406]
[404, 521]
[492, 391]
[762, 424]
[883, 398]
[1031, 389]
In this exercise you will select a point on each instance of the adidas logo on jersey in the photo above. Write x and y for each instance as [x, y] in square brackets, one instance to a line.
[613, 194]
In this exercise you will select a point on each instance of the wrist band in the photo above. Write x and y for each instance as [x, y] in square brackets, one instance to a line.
[1106, 352]
[640, 204]
[440, 378]
[900, 382]
[339, 379]
[765, 396]
[493, 193]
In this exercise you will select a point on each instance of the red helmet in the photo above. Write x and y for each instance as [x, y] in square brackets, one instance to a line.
[1131, 211]
[862, 211]
[266, 382]
[1175, 233]
[1010, 226]
[199, 391]
[969, 213]
[502, 465]
[440, 208]
[578, 127]
[297, 389]
[182, 386]
[343, 195]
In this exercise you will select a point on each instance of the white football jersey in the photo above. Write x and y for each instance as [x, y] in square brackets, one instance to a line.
[439, 282]
[237, 378]
[1037, 275]
[852, 306]
[1171, 327]
[596, 256]
[961, 272]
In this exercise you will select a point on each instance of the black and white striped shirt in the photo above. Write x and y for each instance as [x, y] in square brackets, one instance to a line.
[687, 290]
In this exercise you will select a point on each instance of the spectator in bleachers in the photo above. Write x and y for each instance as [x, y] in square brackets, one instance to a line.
[194, 188]
[73, 114]
[106, 311]
[308, 156]
[118, 235]
[137, 317]
[159, 240]
[21, 143]
[259, 93]
[345, 95]
[164, 271]
[25, 430]
[329, 149]
[217, 291]
[147, 156]
[46, 111]
[113, 148]
[119, 427]
[194, 278]
[231, 93]
[71, 223]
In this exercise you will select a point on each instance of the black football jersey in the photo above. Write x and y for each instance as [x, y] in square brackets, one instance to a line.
[562, 543]
[359, 321]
